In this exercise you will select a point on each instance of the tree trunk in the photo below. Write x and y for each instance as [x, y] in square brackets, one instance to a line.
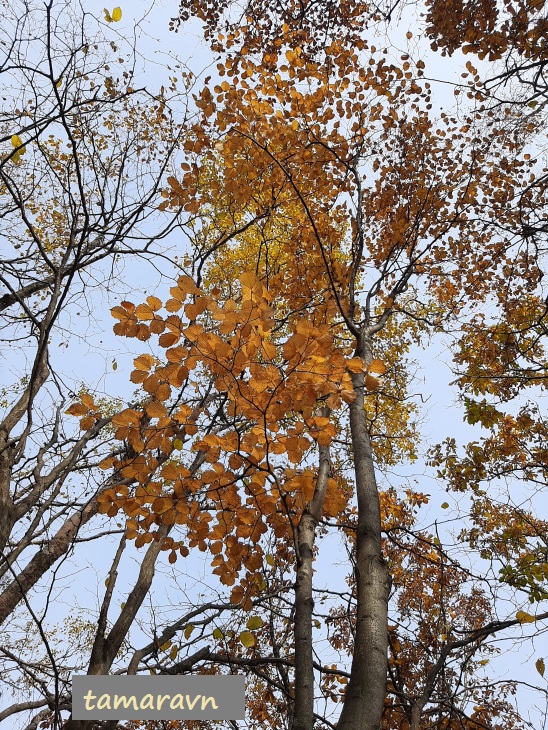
[303, 710]
[364, 700]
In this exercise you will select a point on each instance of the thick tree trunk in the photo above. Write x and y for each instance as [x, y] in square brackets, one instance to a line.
[303, 710]
[364, 700]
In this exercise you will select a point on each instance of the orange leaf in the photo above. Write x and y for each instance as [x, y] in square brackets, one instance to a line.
[168, 339]
[77, 409]
[173, 305]
[163, 392]
[355, 365]
[87, 422]
[143, 311]
[154, 303]
[144, 362]
[377, 366]
[170, 472]
[187, 286]
[155, 409]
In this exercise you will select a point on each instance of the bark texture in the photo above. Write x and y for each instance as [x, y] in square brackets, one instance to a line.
[364, 700]
[303, 711]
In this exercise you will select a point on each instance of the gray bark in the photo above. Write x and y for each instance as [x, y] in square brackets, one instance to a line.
[364, 700]
[303, 711]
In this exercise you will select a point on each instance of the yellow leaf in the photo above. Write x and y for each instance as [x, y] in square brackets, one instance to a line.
[177, 444]
[107, 15]
[539, 664]
[117, 14]
[165, 646]
[188, 630]
[445, 505]
[525, 618]
[173, 652]
[218, 634]
[270, 559]
[254, 623]
[247, 639]
[16, 141]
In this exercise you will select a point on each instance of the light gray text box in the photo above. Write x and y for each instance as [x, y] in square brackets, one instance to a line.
[103, 697]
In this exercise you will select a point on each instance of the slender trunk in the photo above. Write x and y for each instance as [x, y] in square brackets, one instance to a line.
[364, 700]
[303, 711]
[106, 646]
[44, 559]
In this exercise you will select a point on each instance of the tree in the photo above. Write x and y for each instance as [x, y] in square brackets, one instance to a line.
[287, 349]
[79, 188]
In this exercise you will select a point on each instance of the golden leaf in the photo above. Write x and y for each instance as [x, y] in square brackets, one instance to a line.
[143, 311]
[355, 365]
[525, 618]
[247, 639]
[144, 362]
[154, 303]
[254, 623]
